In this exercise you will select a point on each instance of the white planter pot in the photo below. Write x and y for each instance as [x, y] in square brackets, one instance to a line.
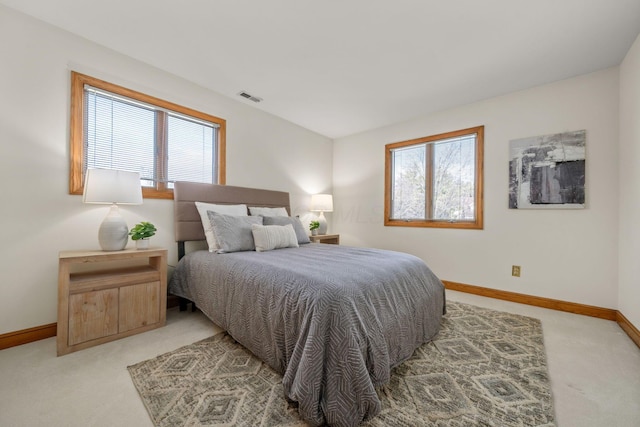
[142, 244]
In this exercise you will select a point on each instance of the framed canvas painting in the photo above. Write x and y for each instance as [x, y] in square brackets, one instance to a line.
[547, 172]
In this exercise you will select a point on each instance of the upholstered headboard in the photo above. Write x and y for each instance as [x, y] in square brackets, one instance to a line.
[188, 226]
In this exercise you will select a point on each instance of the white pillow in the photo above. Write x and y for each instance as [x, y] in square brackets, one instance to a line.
[268, 211]
[238, 210]
[268, 237]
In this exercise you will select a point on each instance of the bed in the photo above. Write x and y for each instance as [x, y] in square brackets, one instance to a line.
[333, 320]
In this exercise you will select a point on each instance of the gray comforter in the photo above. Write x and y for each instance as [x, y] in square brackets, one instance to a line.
[333, 320]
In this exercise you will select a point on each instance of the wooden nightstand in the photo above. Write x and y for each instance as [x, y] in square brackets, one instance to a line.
[333, 239]
[104, 296]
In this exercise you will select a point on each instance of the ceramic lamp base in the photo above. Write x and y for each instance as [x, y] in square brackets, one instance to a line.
[113, 233]
[323, 224]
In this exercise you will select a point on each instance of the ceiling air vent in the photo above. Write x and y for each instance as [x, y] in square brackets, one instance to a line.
[249, 96]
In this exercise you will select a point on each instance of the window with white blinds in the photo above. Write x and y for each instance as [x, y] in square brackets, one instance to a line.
[126, 130]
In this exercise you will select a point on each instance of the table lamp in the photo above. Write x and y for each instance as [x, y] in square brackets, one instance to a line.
[114, 187]
[322, 203]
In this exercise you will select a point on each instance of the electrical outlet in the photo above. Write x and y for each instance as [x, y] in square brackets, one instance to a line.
[515, 270]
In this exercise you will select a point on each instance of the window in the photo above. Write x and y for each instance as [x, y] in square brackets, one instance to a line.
[117, 128]
[435, 181]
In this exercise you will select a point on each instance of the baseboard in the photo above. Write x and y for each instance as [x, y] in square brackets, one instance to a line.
[25, 336]
[628, 327]
[571, 307]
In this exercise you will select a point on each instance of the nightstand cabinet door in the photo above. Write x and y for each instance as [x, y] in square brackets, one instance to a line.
[139, 305]
[93, 315]
[104, 296]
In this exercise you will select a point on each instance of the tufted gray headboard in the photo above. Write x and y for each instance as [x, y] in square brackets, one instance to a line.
[188, 226]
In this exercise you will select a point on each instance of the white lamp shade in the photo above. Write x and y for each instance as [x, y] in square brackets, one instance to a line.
[106, 186]
[321, 203]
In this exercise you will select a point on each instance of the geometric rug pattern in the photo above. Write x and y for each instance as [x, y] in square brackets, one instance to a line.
[484, 368]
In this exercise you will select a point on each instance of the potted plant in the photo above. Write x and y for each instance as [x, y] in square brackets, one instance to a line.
[141, 232]
[313, 226]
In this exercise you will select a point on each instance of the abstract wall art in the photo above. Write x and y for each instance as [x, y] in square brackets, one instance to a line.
[547, 172]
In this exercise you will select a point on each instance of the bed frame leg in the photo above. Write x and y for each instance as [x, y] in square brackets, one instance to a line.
[183, 303]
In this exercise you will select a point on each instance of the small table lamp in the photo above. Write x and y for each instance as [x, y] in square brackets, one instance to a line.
[322, 203]
[107, 186]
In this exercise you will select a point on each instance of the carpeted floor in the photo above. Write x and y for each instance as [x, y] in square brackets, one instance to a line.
[485, 368]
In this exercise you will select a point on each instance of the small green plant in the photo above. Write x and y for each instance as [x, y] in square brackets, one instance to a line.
[143, 230]
[314, 225]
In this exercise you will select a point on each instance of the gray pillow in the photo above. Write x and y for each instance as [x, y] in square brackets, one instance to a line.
[269, 237]
[233, 233]
[285, 220]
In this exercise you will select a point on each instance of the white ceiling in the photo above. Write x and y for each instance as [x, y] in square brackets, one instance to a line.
[339, 67]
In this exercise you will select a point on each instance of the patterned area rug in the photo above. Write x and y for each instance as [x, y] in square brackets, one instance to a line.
[485, 368]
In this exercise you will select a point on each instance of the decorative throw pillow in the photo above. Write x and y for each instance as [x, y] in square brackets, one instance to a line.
[301, 235]
[203, 208]
[255, 211]
[233, 233]
[269, 237]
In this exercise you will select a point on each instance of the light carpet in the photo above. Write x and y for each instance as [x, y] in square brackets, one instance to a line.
[485, 368]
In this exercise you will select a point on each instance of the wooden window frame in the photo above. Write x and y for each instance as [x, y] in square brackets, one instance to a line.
[77, 146]
[478, 223]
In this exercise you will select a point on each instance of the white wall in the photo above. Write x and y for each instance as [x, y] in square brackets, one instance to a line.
[629, 248]
[569, 255]
[39, 217]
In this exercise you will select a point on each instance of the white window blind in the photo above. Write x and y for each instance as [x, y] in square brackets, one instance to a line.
[191, 150]
[162, 145]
